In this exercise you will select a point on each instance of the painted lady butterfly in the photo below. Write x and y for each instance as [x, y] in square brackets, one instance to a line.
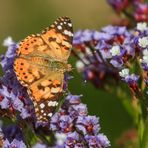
[40, 65]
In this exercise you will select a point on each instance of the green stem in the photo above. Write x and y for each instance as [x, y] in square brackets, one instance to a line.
[144, 138]
[126, 102]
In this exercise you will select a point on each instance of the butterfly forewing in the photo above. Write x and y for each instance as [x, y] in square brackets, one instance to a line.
[59, 38]
[33, 66]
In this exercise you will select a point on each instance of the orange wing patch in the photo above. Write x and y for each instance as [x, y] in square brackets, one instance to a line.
[30, 44]
[59, 38]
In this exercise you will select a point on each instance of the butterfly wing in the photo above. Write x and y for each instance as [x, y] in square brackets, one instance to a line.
[59, 38]
[55, 42]
[44, 86]
[32, 66]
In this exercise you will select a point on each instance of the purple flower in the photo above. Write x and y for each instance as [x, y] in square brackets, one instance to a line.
[99, 141]
[12, 102]
[13, 96]
[141, 13]
[15, 143]
[87, 35]
[131, 79]
[63, 123]
[12, 132]
[88, 124]
[118, 63]
[83, 36]
[144, 60]
[118, 5]
[73, 140]
[72, 119]
[77, 38]
[77, 110]
[102, 36]
[115, 30]
[95, 63]
[8, 58]
[110, 50]
[74, 99]
[39, 145]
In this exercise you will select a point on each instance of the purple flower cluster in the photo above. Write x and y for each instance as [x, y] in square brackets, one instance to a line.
[13, 97]
[136, 10]
[141, 12]
[81, 130]
[119, 5]
[11, 136]
[103, 54]
[72, 126]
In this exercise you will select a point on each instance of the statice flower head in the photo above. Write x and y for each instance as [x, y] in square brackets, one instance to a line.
[130, 11]
[73, 140]
[130, 79]
[105, 58]
[8, 58]
[97, 141]
[73, 120]
[12, 136]
[13, 96]
[88, 125]
[119, 5]
[65, 125]
[141, 12]
[144, 60]
[39, 145]
[105, 51]
[14, 144]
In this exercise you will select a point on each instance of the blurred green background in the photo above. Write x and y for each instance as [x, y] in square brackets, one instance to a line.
[22, 18]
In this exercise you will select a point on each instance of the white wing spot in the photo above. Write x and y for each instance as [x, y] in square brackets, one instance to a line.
[35, 104]
[42, 105]
[59, 27]
[52, 103]
[66, 32]
[50, 114]
[69, 24]
[36, 109]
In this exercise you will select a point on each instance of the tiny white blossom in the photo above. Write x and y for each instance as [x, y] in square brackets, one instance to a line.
[8, 42]
[115, 50]
[142, 26]
[88, 51]
[145, 59]
[145, 52]
[80, 66]
[145, 56]
[124, 72]
[60, 138]
[143, 42]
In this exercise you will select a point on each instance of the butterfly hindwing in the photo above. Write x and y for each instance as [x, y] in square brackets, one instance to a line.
[46, 92]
